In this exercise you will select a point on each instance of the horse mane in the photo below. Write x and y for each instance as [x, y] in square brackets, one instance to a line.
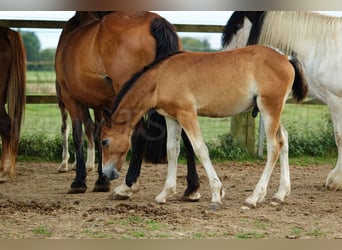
[287, 30]
[131, 82]
[236, 19]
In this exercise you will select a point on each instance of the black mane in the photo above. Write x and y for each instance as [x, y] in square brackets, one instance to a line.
[235, 22]
[130, 83]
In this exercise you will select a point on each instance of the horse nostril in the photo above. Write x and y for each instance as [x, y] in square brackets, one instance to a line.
[105, 142]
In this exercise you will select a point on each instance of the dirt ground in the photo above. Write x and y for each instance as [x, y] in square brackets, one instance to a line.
[36, 205]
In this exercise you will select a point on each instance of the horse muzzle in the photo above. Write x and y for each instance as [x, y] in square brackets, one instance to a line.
[111, 172]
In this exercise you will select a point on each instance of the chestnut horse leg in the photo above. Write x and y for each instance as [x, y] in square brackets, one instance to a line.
[102, 183]
[5, 165]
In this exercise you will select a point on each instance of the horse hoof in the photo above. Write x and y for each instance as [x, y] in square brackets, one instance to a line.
[214, 206]
[101, 188]
[77, 190]
[276, 201]
[118, 197]
[194, 197]
[247, 206]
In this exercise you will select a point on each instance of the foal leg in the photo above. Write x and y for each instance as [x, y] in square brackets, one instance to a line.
[285, 184]
[190, 125]
[131, 182]
[273, 149]
[173, 148]
[334, 179]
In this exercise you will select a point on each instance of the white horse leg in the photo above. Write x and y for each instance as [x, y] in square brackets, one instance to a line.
[173, 148]
[273, 149]
[285, 184]
[334, 179]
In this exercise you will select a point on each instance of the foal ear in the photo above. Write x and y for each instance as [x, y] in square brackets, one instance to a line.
[107, 114]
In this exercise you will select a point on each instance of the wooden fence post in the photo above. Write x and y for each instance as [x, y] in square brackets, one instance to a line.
[243, 130]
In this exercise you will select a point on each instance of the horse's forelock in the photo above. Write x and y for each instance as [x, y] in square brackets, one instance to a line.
[230, 29]
[238, 18]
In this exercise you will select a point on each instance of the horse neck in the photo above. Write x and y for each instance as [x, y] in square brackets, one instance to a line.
[302, 28]
[137, 101]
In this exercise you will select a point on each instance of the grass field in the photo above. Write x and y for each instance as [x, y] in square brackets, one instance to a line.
[304, 119]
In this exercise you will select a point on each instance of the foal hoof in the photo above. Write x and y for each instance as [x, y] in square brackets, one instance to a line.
[194, 197]
[248, 206]
[214, 206]
[118, 197]
[276, 202]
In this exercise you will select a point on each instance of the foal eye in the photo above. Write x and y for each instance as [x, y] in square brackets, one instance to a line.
[105, 143]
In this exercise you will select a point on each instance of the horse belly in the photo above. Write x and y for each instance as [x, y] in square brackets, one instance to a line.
[223, 105]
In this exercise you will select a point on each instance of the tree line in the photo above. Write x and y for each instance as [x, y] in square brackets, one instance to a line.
[43, 59]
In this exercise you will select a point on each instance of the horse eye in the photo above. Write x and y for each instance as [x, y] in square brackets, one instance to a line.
[238, 26]
[105, 143]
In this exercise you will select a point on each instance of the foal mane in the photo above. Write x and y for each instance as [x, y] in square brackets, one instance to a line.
[301, 26]
[131, 82]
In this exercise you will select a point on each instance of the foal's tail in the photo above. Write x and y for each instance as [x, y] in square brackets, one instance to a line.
[155, 127]
[300, 84]
[16, 87]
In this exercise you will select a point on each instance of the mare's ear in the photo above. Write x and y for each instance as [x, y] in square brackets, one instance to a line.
[107, 114]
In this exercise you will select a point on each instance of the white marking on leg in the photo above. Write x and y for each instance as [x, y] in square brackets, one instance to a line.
[193, 131]
[63, 167]
[260, 190]
[285, 184]
[90, 164]
[173, 148]
[125, 191]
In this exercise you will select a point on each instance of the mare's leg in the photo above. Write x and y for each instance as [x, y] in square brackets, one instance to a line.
[284, 184]
[191, 193]
[334, 179]
[274, 145]
[173, 148]
[102, 183]
[89, 131]
[63, 167]
[6, 168]
[75, 111]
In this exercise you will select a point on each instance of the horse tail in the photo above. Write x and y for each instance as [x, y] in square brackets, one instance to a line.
[167, 42]
[16, 98]
[300, 84]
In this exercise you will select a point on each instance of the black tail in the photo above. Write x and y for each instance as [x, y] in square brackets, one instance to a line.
[154, 124]
[300, 84]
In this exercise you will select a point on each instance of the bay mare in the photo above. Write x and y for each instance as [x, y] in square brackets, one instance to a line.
[95, 56]
[12, 93]
[317, 41]
[216, 84]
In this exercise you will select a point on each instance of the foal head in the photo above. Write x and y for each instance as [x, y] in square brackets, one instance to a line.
[115, 143]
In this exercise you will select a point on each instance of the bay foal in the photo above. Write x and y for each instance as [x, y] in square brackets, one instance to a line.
[218, 84]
